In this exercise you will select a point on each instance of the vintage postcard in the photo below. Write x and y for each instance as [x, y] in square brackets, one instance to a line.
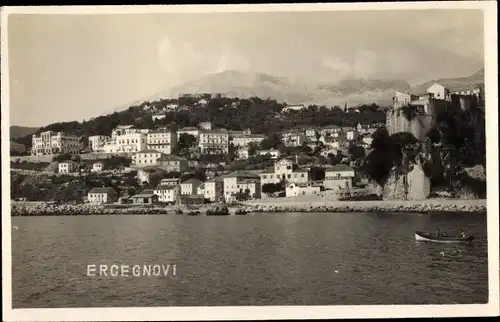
[295, 161]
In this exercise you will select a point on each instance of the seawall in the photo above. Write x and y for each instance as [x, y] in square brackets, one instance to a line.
[410, 206]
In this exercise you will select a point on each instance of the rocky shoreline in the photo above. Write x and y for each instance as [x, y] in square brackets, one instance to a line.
[260, 206]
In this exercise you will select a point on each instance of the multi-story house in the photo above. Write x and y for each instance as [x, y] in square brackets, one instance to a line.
[241, 140]
[168, 191]
[162, 140]
[50, 142]
[121, 130]
[97, 142]
[241, 183]
[339, 177]
[214, 142]
[68, 167]
[170, 162]
[131, 142]
[243, 154]
[212, 189]
[101, 195]
[146, 157]
[285, 170]
[190, 187]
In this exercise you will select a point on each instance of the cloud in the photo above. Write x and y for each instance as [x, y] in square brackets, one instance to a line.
[183, 61]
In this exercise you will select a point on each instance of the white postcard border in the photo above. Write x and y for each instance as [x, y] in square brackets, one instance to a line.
[266, 312]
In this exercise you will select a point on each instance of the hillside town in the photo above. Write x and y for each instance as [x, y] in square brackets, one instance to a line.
[167, 165]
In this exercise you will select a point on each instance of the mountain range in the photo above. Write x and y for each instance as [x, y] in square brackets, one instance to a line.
[354, 92]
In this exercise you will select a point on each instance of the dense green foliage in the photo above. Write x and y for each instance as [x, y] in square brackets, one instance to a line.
[258, 115]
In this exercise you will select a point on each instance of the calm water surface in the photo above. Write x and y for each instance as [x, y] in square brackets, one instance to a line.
[261, 259]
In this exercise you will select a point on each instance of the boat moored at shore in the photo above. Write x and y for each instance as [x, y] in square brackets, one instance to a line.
[433, 238]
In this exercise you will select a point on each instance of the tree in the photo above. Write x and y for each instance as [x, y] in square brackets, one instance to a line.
[252, 148]
[186, 141]
[270, 142]
[317, 174]
[356, 151]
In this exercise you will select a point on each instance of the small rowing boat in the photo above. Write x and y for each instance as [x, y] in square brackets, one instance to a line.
[428, 237]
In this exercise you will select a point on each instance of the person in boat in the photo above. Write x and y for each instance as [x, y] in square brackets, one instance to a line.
[462, 233]
[438, 234]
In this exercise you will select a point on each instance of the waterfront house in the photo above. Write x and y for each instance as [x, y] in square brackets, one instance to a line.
[97, 166]
[238, 183]
[284, 170]
[102, 195]
[170, 162]
[68, 167]
[190, 187]
[302, 189]
[212, 189]
[339, 177]
[167, 193]
[146, 197]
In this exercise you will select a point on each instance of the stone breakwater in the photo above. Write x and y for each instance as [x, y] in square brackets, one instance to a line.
[421, 206]
[86, 209]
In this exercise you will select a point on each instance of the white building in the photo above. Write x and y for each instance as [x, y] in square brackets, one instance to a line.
[351, 135]
[241, 182]
[131, 142]
[167, 193]
[207, 126]
[273, 153]
[157, 117]
[367, 140]
[212, 189]
[68, 167]
[97, 142]
[284, 170]
[339, 177]
[162, 140]
[102, 195]
[302, 189]
[214, 142]
[439, 91]
[50, 142]
[311, 133]
[190, 187]
[97, 166]
[242, 140]
[120, 130]
[146, 158]
[293, 108]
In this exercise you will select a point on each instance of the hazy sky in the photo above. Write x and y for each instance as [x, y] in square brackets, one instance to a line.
[69, 67]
